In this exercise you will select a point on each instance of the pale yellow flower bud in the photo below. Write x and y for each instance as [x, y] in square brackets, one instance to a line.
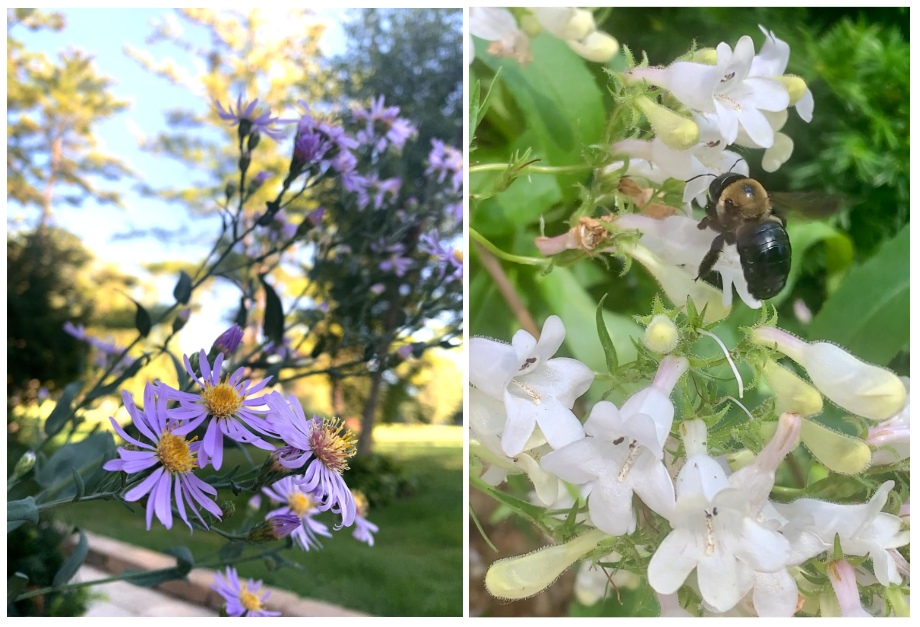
[526, 575]
[792, 394]
[863, 389]
[794, 85]
[661, 335]
[598, 47]
[675, 131]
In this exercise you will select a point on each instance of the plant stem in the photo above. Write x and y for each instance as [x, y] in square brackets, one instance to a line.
[532, 169]
[528, 261]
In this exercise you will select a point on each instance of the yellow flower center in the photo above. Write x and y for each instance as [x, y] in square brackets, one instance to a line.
[300, 503]
[175, 455]
[333, 444]
[361, 503]
[458, 255]
[222, 400]
[249, 600]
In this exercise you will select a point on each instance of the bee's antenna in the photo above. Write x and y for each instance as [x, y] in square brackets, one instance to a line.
[699, 175]
[736, 163]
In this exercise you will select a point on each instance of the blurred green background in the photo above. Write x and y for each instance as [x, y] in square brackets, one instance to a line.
[851, 272]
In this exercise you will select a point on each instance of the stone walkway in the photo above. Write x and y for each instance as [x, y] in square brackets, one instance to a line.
[122, 599]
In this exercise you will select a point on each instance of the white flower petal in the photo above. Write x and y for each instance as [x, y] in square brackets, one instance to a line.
[805, 106]
[653, 484]
[610, 506]
[768, 94]
[674, 560]
[693, 84]
[654, 403]
[578, 463]
[519, 425]
[756, 127]
[492, 365]
[717, 575]
[777, 154]
[551, 338]
[605, 421]
[701, 474]
[562, 378]
[775, 594]
[487, 415]
[761, 548]
[491, 24]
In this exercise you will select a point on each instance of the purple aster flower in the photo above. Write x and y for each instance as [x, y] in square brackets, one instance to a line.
[394, 262]
[244, 118]
[338, 136]
[261, 177]
[383, 125]
[228, 341]
[355, 183]
[77, 331]
[171, 456]
[344, 161]
[228, 403]
[242, 599]
[309, 147]
[431, 244]
[329, 445]
[444, 160]
[400, 131]
[275, 527]
[363, 527]
[300, 504]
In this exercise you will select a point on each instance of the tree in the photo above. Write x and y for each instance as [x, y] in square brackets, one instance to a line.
[52, 110]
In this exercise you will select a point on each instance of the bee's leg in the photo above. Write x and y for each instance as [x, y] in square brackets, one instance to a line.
[705, 222]
[710, 259]
[711, 219]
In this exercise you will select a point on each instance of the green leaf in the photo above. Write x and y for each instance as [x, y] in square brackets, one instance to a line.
[78, 483]
[181, 374]
[804, 235]
[569, 301]
[474, 108]
[183, 290]
[142, 320]
[62, 411]
[83, 456]
[149, 579]
[185, 561]
[15, 585]
[869, 314]
[610, 351]
[560, 101]
[483, 107]
[274, 315]
[73, 563]
[23, 509]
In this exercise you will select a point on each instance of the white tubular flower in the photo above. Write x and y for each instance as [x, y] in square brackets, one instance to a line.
[777, 154]
[592, 584]
[676, 131]
[622, 454]
[892, 437]
[863, 530]
[771, 62]
[487, 420]
[843, 580]
[863, 389]
[792, 394]
[725, 89]
[598, 47]
[565, 22]
[713, 530]
[500, 27]
[526, 575]
[677, 241]
[535, 389]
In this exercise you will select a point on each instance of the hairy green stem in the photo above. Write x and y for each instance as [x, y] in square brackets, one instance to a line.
[529, 261]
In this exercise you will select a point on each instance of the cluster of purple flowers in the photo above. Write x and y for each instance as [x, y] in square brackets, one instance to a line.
[383, 126]
[236, 408]
[106, 350]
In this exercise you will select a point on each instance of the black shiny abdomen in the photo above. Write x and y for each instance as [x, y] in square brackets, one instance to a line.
[766, 257]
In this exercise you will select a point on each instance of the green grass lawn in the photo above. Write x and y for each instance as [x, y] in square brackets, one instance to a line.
[415, 567]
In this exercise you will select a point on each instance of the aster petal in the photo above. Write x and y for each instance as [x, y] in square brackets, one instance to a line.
[191, 373]
[161, 495]
[205, 367]
[180, 501]
[214, 443]
[144, 486]
[124, 436]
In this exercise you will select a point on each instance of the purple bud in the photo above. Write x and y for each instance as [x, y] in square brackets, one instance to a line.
[228, 341]
[284, 524]
[261, 177]
[181, 318]
[42, 394]
[405, 351]
[316, 216]
[378, 288]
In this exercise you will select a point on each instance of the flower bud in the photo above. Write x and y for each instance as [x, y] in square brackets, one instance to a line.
[245, 158]
[597, 46]
[230, 190]
[228, 341]
[526, 575]
[863, 389]
[253, 140]
[674, 130]
[565, 22]
[661, 334]
[792, 394]
[24, 465]
[843, 580]
[227, 509]
[706, 56]
[180, 319]
[273, 528]
[794, 85]
[670, 370]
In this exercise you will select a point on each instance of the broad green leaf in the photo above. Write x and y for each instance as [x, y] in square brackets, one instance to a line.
[23, 509]
[610, 351]
[869, 314]
[560, 100]
[565, 297]
[841, 453]
[184, 559]
[72, 563]
[274, 314]
[83, 456]
[14, 585]
[63, 410]
[142, 320]
[804, 235]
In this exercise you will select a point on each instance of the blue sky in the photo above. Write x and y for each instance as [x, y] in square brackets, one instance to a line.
[103, 33]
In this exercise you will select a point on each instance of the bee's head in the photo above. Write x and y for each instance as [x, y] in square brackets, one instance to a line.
[745, 195]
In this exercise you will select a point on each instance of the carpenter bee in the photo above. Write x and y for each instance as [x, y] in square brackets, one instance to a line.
[742, 213]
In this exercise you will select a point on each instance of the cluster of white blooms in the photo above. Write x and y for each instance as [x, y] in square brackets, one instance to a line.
[730, 97]
[625, 469]
[574, 26]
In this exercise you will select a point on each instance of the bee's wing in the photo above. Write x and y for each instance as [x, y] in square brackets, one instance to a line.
[814, 205]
